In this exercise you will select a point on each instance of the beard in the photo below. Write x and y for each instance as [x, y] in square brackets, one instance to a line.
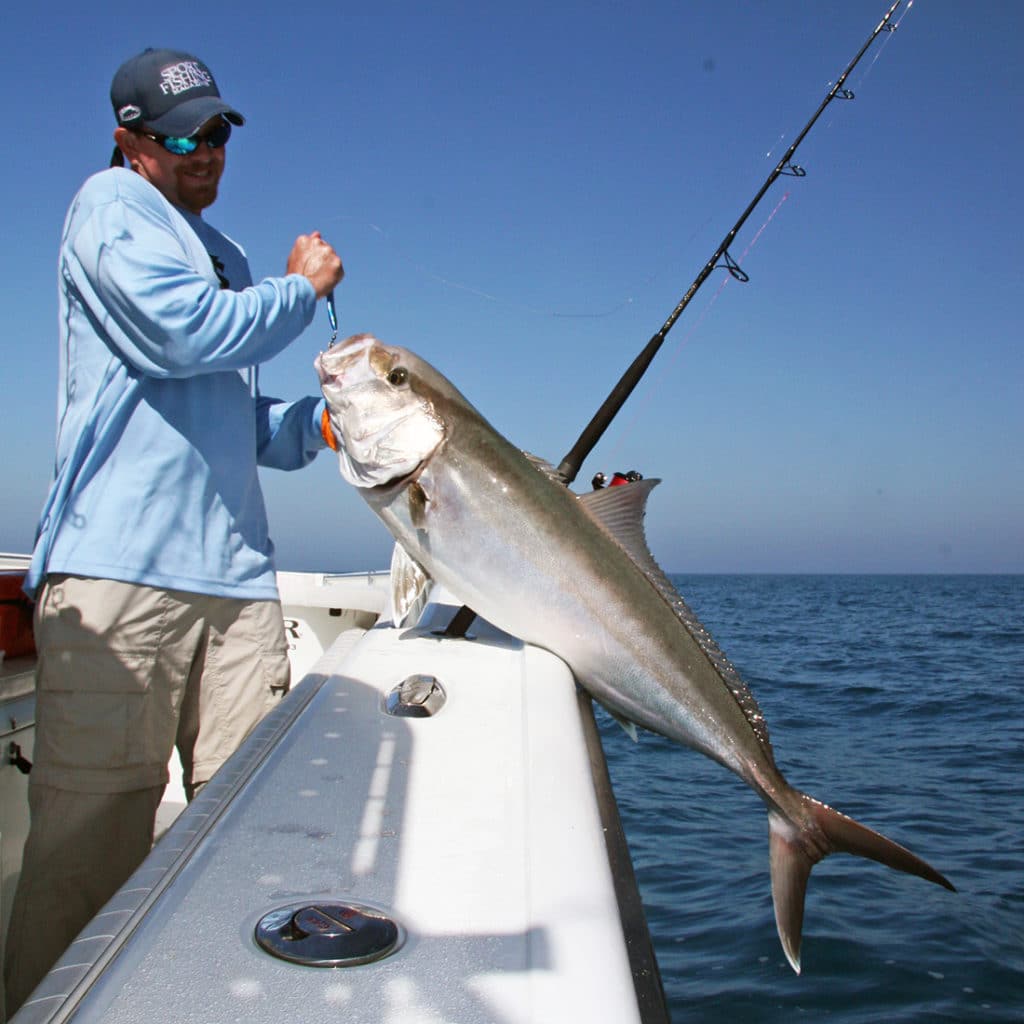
[197, 186]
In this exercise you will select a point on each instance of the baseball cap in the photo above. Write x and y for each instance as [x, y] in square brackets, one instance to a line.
[168, 91]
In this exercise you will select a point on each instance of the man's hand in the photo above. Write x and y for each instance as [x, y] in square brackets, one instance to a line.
[314, 258]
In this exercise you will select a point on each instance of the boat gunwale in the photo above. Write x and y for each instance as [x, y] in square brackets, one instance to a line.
[168, 859]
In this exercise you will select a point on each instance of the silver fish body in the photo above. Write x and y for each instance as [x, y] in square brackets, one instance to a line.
[572, 575]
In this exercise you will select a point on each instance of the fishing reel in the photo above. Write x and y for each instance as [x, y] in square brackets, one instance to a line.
[618, 479]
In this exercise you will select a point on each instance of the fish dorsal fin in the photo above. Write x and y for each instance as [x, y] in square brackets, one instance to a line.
[545, 467]
[410, 586]
[620, 511]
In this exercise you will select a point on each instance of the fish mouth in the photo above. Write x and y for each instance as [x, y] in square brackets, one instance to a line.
[322, 373]
[342, 357]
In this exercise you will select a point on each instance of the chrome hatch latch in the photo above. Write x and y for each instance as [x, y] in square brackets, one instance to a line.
[328, 934]
[418, 696]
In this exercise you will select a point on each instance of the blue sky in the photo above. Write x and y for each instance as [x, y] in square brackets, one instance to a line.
[522, 192]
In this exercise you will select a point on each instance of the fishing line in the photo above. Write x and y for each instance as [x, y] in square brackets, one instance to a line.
[885, 42]
[504, 302]
[628, 430]
[570, 465]
[889, 30]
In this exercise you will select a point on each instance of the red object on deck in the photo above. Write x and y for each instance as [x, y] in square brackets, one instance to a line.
[16, 637]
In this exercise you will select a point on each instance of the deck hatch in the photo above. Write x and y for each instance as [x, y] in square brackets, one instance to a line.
[418, 696]
[328, 934]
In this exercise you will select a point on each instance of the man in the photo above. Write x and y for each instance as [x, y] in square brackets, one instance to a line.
[157, 616]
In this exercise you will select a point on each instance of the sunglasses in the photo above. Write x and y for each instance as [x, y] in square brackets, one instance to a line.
[183, 145]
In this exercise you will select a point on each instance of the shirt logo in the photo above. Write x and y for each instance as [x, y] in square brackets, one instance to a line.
[189, 74]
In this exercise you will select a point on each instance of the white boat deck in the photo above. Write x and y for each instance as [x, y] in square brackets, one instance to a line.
[476, 829]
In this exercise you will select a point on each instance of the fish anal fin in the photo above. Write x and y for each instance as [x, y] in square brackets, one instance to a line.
[628, 727]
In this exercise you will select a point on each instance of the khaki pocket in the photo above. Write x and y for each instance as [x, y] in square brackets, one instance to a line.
[99, 711]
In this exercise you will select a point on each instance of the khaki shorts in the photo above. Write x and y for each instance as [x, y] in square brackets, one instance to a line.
[127, 672]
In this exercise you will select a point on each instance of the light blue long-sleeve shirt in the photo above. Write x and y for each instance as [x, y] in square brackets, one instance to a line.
[160, 427]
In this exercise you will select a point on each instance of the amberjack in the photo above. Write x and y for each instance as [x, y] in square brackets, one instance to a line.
[572, 574]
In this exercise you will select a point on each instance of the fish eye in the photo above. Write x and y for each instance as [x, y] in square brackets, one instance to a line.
[398, 376]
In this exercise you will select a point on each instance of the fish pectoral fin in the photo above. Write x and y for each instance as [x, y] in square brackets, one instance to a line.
[418, 502]
[410, 586]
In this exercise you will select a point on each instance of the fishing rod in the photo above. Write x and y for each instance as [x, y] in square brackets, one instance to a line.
[570, 465]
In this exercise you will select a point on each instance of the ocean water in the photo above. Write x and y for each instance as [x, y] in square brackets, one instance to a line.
[900, 701]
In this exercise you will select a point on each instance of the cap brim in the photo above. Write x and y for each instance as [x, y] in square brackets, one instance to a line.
[188, 117]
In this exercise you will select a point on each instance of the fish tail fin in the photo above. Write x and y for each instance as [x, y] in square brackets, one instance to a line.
[790, 867]
[798, 842]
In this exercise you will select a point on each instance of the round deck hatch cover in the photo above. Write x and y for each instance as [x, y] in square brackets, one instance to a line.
[328, 934]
